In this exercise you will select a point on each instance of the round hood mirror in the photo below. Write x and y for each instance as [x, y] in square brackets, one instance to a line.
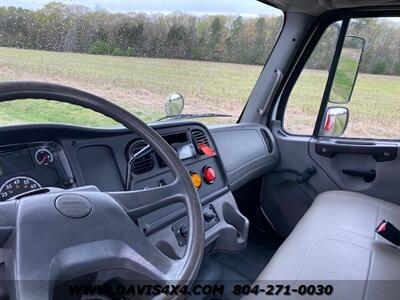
[174, 104]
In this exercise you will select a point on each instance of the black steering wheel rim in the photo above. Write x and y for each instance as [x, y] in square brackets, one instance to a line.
[191, 261]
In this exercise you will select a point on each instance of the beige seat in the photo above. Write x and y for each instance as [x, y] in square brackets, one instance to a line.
[335, 242]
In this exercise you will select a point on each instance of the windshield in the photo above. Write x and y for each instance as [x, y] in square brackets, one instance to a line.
[136, 54]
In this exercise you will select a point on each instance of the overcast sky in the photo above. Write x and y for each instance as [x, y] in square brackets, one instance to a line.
[243, 7]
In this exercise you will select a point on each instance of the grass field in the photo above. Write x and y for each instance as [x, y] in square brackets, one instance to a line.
[141, 84]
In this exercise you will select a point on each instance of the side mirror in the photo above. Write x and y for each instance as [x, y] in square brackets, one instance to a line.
[347, 69]
[335, 121]
[174, 105]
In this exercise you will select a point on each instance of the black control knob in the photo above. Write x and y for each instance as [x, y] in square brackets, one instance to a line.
[208, 216]
[183, 230]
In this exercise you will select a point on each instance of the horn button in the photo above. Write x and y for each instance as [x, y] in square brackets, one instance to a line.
[73, 205]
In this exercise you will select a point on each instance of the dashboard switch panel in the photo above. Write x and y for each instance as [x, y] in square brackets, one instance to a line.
[210, 217]
[181, 229]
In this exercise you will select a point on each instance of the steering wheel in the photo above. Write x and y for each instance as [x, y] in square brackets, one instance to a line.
[59, 235]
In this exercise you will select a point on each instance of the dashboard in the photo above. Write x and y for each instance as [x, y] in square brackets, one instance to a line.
[219, 160]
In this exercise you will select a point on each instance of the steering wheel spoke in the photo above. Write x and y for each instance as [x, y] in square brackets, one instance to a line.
[29, 289]
[8, 213]
[109, 257]
[96, 256]
[141, 202]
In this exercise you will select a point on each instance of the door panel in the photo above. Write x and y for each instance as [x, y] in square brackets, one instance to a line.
[366, 157]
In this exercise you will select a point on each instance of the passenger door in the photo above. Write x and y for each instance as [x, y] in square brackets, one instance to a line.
[334, 135]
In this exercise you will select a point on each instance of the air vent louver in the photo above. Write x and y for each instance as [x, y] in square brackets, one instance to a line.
[144, 164]
[268, 140]
[199, 138]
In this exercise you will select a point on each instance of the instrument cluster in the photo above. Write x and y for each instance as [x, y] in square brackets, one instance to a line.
[27, 167]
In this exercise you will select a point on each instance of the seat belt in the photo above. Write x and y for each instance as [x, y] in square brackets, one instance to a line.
[389, 232]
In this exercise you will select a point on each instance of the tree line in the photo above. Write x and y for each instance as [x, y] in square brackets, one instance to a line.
[220, 38]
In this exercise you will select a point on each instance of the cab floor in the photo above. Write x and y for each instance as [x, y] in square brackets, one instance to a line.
[232, 269]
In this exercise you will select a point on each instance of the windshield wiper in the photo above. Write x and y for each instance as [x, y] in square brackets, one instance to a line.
[194, 116]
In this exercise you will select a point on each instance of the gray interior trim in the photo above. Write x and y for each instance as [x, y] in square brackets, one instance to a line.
[247, 151]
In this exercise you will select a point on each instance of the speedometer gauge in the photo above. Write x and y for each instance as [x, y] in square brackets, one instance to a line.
[16, 186]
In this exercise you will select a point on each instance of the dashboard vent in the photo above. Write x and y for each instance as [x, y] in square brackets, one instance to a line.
[199, 138]
[268, 140]
[144, 164]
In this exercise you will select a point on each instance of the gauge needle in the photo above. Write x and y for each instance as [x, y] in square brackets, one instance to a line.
[43, 160]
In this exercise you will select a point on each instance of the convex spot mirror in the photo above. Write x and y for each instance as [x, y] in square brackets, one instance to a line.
[335, 121]
[347, 69]
[174, 105]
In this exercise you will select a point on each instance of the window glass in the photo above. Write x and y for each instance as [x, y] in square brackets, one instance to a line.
[374, 107]
[375, 104]
[136, 53]
[305, 99]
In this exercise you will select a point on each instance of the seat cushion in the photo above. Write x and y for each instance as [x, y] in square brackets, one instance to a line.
[336, 242]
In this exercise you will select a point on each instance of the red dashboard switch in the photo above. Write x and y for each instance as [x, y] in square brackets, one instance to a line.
[206, 150]
[209, 175]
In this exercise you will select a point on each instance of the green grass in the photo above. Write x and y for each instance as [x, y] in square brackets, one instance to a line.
[39, 111]
[164, 76]
[344, 80]
[141, 84]
[32, 111]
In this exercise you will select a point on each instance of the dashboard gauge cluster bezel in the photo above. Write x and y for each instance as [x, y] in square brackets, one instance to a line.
[52, 170]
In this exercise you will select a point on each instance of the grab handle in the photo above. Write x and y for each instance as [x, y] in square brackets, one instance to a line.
[278, 79]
